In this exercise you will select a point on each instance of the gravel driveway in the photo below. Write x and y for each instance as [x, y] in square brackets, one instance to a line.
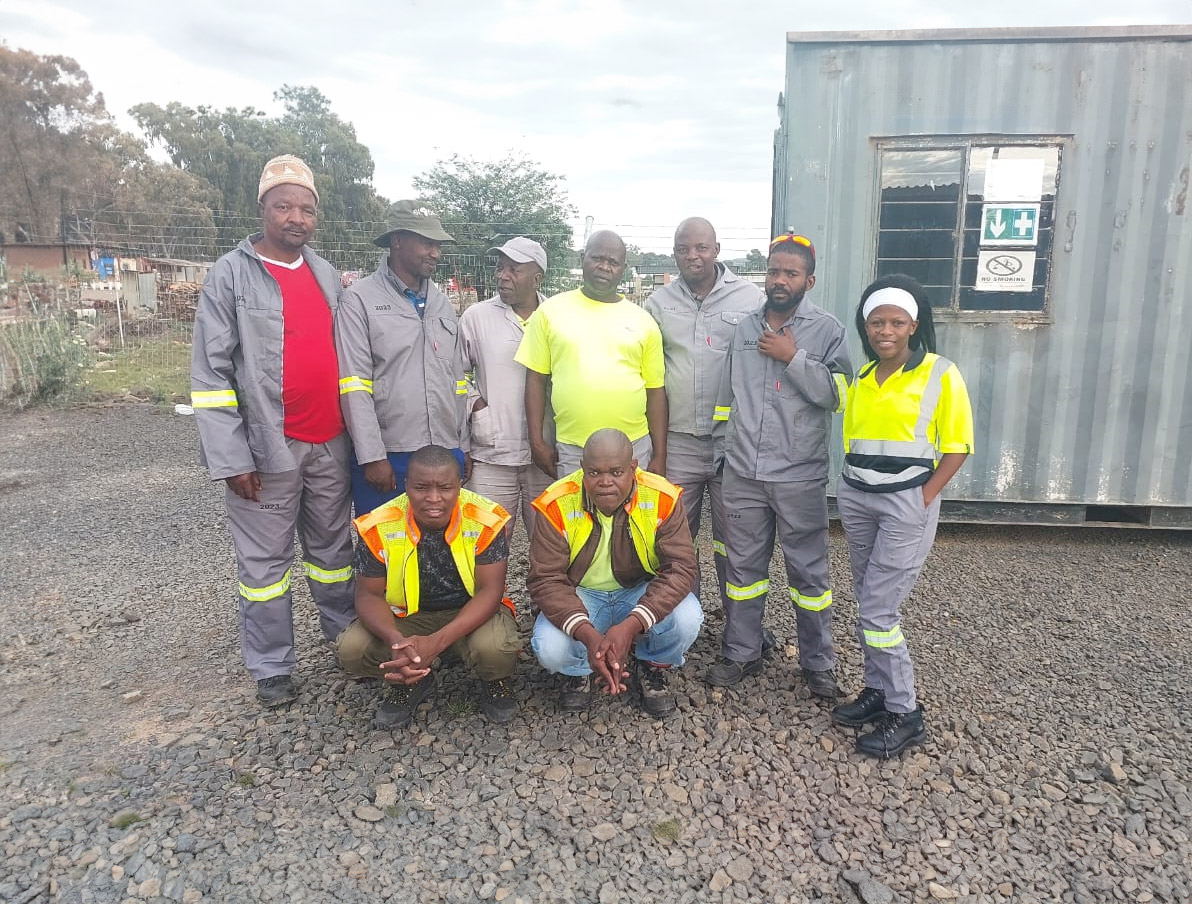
[135, 765]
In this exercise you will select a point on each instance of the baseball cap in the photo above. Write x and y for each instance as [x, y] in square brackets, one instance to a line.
[522, 250]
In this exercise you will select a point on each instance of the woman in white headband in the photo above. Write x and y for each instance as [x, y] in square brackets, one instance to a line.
[908, 428]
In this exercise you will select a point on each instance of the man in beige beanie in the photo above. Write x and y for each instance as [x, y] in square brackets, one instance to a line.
[265, 389]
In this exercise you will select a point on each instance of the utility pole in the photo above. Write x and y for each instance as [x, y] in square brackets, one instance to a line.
[62, 228]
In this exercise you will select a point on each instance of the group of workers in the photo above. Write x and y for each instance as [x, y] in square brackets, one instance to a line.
[603, 425]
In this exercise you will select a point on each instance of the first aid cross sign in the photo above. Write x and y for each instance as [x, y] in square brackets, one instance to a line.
[1010, 224]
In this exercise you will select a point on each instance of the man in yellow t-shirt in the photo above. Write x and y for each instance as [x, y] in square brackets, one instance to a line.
[601, 357]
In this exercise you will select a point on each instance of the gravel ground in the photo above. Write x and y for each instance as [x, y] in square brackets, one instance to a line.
[135, 765]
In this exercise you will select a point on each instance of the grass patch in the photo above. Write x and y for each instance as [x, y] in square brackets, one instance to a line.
[464, 706]
[246, 780]
[668, 830]
[126, 820]
[156, 368]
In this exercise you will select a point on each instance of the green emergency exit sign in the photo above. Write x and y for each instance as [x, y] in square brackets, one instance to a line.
[1010, 224]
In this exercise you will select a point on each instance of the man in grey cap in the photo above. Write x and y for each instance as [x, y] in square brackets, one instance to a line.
[401, 362]
[263, 385]
[502, 469]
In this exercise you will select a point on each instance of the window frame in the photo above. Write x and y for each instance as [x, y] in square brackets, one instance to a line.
[965, 143]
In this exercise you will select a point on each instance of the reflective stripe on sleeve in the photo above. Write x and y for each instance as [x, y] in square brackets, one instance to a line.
[718, 548]
[327, 576]
[883, 639]
[213, 398]
[261, 594]
[753, 591]
[355, 384]
[812, 603]
[461, 387]
[841, 391]
[722, 412]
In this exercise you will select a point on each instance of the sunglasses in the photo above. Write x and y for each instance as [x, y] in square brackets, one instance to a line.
[796, 239]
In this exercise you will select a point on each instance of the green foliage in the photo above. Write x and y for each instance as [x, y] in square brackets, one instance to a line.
[226, 149]
[485, 202]
[41, 360]
[125, 820]
[246, 780]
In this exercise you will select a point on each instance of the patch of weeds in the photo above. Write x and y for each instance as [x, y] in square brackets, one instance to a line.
[5, 765]
[71, 788]
[246, 780]
[668, 830]
[126, 820]
[463, 706]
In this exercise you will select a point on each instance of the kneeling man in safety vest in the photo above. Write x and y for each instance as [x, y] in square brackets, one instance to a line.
[430, 577]
[611, 566]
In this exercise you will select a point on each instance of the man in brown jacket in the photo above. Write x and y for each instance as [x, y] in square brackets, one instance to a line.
[612, 565]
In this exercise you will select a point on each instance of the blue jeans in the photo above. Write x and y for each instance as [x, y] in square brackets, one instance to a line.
[664, 644]
[365, 498]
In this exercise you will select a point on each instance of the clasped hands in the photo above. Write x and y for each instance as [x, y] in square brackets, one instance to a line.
[608, 653]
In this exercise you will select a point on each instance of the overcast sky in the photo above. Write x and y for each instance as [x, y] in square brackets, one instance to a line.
[652, 110]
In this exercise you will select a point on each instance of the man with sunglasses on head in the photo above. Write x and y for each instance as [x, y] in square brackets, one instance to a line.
[697, 314]
[788, 370]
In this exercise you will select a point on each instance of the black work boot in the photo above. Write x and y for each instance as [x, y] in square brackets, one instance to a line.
[400, 701]
[894, 733]
[869, 706]
[728, 673]
[497, 701]
[822, 683]
[657, 699]
[576, 695]
[769, 643]
[276, 690]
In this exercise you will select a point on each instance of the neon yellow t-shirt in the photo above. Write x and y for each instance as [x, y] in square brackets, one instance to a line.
[601, 358]
[599, 575]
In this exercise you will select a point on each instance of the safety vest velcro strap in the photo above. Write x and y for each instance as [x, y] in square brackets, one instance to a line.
[752, 591]
[461, 387]
[213, 398]
[326, 575]
[892, 448]
[812, 603]
[722, 412]
[884, 639]
[718, 548]
[355, 384]
[841, 391]
[262, 594]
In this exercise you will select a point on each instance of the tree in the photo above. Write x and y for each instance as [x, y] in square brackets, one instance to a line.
[484, 203]
[59, 148]
[228, 148]
[68, 174]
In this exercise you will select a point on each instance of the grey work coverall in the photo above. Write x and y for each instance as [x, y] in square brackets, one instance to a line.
[502, 469]
[236, 384]
[696, 337]
[775, 475]
[401, 375]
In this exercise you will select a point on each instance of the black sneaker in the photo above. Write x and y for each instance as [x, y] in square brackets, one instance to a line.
[400, 701]
[895, 733]
[497, 701]
[869, 706]
[822, 683]
[727, 673]
[657, 700]
[276, 691]
[576, 695]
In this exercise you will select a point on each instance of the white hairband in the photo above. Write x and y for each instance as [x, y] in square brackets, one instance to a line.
[900, 298]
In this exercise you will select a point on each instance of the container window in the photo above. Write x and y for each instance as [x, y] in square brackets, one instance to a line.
[986, 249]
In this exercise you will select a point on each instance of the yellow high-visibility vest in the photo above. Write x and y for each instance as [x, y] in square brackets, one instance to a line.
[393, 536]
